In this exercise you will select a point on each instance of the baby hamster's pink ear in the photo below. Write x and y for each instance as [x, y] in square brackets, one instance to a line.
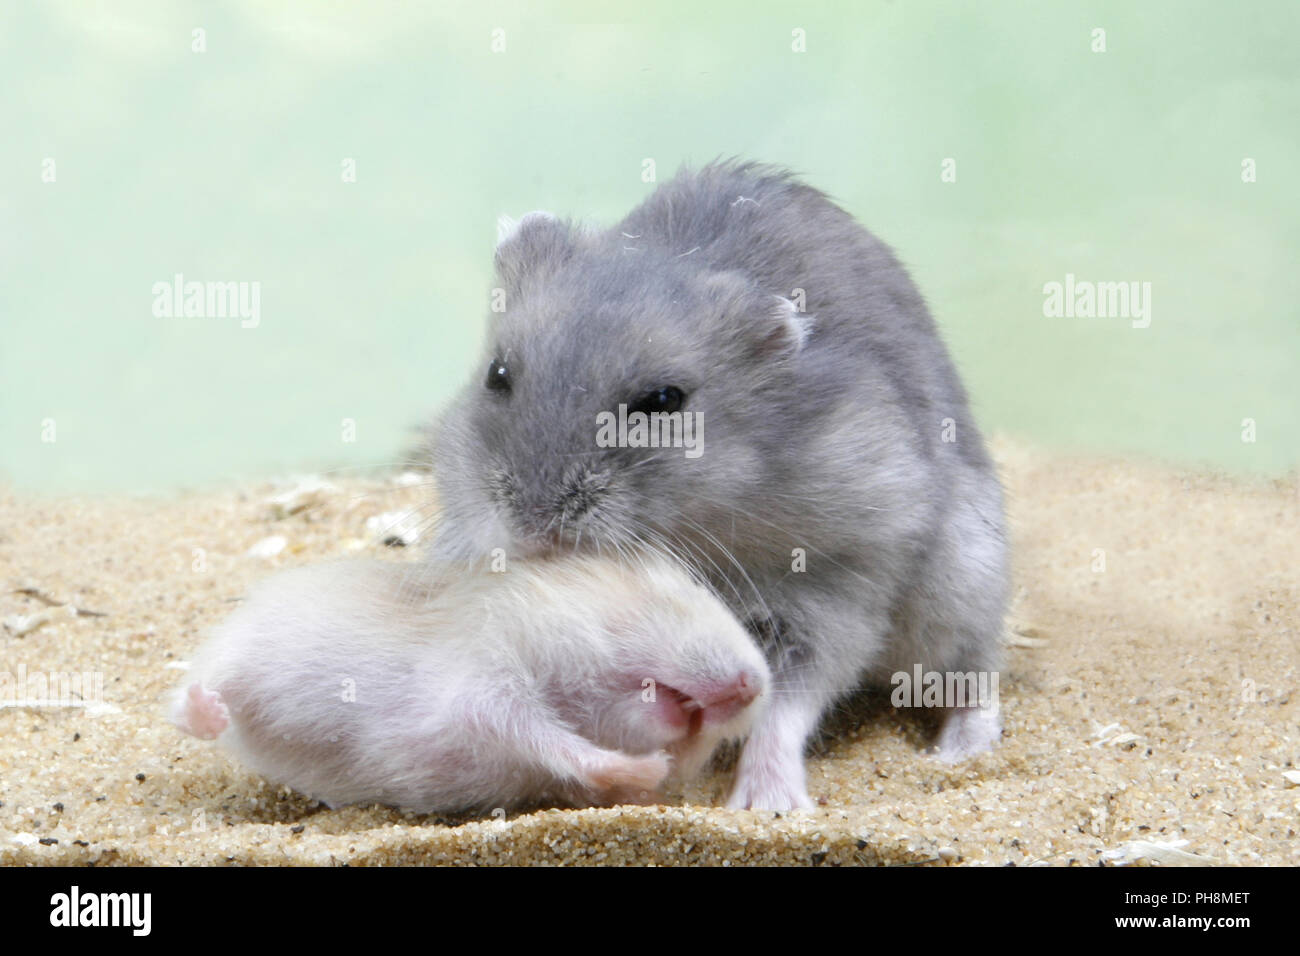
[532, 246]
[771, 324]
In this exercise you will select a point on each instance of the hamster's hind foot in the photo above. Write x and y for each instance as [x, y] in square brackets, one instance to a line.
[202, 713]
[968, 731]
[623, 779]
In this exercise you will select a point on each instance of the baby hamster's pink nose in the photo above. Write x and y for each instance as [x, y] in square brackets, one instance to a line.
[708, 703]
[730, 698]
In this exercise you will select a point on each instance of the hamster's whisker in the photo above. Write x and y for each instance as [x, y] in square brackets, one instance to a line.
[426, 524]
[378, 466]
[728, 505]
[800, 500]
[635, 465]
[583, 454]
[789, 534]
[626, 555]
[726, 552]
[805, 499]
[388, 490]
[675, 551]
[640, 548]
[657, 544]
[693, 558]
[421, 575]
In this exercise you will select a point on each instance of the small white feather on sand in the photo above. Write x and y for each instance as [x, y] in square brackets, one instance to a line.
[20, 624]
[1169, 853]
[396, 528]
[310, 492]
[268, 547]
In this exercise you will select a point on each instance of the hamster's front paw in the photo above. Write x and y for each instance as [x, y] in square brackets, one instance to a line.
[624, 779]
[770, 773]
[968, 731]
[770, 788]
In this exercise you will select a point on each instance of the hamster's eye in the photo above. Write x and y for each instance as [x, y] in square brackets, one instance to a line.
[498, 376]
[667, 399]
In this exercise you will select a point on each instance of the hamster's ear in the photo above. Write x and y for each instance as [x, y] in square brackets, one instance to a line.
[535, 244]
[790, 327]
[772, 324]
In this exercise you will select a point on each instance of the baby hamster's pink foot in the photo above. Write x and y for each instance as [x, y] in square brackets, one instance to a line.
[203, 713]
[623, 779]
[968, 731]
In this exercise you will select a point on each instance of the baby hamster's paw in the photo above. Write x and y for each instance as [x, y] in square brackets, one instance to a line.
[203, 713]
[623, 779]
[968, 731]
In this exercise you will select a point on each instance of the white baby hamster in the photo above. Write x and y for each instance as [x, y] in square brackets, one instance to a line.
[575, 680]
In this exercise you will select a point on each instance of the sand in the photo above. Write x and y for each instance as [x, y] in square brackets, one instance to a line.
[1150, 702]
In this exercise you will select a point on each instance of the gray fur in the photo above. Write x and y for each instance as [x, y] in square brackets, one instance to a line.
[822, 435]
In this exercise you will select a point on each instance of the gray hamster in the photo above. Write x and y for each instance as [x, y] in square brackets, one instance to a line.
[842, 501]
[577, 680]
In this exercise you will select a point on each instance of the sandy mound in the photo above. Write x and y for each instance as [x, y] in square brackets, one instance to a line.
[1154, 700]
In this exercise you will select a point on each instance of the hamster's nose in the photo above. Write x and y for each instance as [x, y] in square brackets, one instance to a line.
[715, 702]
[581, 492]
[729, 698]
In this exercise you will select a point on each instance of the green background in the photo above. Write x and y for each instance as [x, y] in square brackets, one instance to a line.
[226, 165]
